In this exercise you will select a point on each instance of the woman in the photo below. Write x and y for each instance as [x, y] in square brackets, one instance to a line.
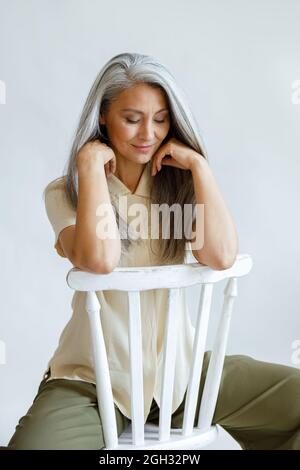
[137, 143]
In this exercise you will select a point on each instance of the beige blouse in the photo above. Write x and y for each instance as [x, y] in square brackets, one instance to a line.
[73, 358]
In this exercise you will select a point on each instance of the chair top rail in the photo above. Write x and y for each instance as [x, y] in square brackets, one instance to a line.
[155, 277]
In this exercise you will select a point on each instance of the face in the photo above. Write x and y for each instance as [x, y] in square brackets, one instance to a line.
[138, 117]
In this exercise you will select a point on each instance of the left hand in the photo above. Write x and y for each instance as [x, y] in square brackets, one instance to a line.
[177, 154]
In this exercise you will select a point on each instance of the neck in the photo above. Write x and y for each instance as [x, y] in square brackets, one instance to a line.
[129, 172]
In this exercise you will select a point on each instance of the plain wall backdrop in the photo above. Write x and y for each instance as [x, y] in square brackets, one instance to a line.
[237, 62]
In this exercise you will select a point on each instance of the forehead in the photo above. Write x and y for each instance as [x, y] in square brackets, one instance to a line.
[141, 96]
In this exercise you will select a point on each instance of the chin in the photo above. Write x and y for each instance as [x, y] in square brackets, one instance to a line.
[141, 158]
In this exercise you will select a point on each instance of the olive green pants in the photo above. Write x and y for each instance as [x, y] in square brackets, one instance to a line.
[258, 405]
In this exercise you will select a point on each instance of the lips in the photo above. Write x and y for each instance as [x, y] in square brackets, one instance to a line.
[143, 149]
[142, 146]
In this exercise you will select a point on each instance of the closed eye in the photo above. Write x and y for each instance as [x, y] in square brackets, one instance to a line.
[135, 122]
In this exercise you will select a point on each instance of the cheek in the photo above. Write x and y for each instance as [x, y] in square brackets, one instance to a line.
[163, 132]
[126, 132]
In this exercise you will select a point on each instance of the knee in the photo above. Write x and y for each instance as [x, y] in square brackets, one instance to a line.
[30, 434]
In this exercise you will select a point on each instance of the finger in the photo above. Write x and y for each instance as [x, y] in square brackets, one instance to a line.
[153, 165]
[160, 154]
[167, 161]
[160, 158]
[113, 165]
[164, 153]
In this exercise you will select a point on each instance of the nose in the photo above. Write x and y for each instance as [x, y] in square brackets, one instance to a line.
[146, 132]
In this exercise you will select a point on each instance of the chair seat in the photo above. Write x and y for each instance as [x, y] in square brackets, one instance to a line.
[198, 439]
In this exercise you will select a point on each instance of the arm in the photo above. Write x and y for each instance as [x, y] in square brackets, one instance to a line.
[220, 237]
[100, 255]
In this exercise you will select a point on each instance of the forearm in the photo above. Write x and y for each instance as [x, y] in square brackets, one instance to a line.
[220, 236]
[88, 245]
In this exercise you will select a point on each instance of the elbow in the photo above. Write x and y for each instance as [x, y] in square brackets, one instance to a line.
[221, 266]
[103, 266]
[228, 258]
[100, 268]
[95, 266]
[225, 262]
[97, 263]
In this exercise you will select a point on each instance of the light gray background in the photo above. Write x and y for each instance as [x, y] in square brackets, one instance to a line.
[237, 61]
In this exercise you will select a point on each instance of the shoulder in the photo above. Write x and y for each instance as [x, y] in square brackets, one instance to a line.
[57, 184]
[56, 198]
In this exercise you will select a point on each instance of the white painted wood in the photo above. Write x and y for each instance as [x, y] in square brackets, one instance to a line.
[215, 367]
[172, 277]
[197, 360]
[169, 354]
[155, 277]
[104, 390]
[198, 440]
[136, 368]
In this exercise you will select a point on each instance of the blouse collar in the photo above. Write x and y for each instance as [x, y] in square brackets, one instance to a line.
[143, 187]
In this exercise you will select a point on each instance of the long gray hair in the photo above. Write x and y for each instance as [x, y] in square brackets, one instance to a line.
[169, 186]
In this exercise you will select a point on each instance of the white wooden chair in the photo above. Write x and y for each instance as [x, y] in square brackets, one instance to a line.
[173, 277]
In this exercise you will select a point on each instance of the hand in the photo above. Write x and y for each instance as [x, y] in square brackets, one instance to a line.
[178, 154]
[97, 153]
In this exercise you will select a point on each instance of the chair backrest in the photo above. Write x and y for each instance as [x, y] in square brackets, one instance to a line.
[172, 277]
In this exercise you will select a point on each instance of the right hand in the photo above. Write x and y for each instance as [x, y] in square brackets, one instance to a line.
[97, 153]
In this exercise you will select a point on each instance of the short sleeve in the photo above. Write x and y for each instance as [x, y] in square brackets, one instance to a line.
[60, 213]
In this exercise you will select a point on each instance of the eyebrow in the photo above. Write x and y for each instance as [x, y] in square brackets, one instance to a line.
[141, 112]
